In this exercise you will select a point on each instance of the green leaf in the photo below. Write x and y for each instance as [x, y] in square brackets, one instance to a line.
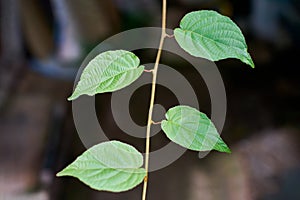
[192, 129]
[209, 35]
[108, 72]
[110, 166]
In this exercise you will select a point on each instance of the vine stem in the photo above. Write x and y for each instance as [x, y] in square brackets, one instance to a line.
[154, 72]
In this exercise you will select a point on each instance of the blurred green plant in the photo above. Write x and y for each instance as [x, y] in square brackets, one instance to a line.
[115, 166]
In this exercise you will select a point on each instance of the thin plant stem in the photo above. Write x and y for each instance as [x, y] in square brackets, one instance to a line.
[154, 72]
[156, 123]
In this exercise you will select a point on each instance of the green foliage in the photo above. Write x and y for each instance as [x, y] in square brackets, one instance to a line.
[192, 129]
[108, 72]
[210, 35]
[115, 166]
[109, 166]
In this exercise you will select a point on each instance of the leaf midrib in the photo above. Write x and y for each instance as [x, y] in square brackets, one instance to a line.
[109, 65]
[188, 129]
[214, 41]
[109, 77]
[109, 168]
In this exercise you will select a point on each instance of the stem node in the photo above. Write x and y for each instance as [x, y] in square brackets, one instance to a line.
[169, 36]
[148, 71]
[156, 123]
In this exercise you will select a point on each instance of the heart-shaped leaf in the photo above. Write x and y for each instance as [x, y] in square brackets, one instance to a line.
[192, 129]
[207, 34]
[110, 166]
[108, 72]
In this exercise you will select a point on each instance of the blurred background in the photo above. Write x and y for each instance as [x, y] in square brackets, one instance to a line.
[42, 44]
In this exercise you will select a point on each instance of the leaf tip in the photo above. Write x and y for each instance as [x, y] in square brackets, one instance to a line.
[248, 60]
[65, 172]
[228, 150]
[72, 97]
[251, 63]
[225, 149]
[60, 174]
[221, 146]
